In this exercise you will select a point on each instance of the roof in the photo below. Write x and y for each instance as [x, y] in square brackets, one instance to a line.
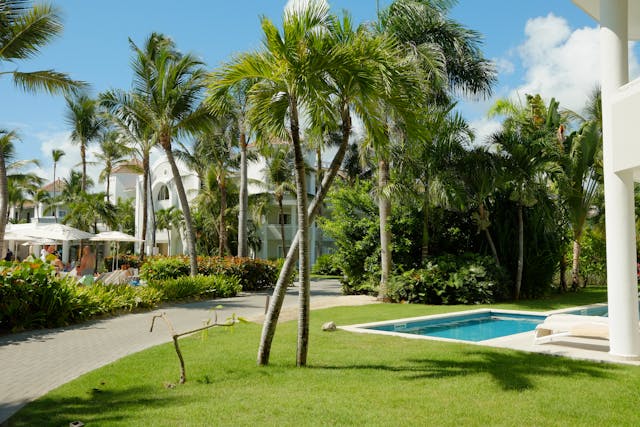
[592, 8]
[132, 166]
[60, 184]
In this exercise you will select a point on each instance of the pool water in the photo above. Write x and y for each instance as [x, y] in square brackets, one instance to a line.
[473, 327]
[601, 310]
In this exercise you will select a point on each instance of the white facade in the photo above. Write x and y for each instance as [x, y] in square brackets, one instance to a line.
[163, 194]
[619, 21]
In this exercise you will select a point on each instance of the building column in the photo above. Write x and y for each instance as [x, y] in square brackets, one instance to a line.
[619, 196]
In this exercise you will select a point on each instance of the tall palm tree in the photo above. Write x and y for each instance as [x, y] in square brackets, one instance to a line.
[124, 110]
[56, 155]
[452, 62]
[169, 85]
[24, 29]
[7, 151]
[283, 88]
[527, 145]
[360, 70]
[233, 102]
[86, 125]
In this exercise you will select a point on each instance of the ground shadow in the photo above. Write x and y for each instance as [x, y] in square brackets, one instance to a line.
[511, 371]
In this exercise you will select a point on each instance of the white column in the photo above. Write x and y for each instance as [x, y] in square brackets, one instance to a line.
[619, 202]
[65, 251]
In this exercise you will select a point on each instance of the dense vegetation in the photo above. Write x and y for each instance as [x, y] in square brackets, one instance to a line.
[32, 296]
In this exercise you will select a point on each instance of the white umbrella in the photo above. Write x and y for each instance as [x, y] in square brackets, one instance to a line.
[53, 231]
[114, 236]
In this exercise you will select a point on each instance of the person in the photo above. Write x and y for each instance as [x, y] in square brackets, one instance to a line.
[9, 255]
[52, 258]
[87, 262]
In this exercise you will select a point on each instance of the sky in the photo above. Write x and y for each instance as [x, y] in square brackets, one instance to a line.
[543, 46]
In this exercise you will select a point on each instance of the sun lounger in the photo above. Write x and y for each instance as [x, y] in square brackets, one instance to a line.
[572, 325]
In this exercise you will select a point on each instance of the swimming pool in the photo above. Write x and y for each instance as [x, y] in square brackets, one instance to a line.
[474, 326]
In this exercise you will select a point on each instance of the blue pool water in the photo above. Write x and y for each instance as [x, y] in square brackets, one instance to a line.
[601, 310]
[467, 327]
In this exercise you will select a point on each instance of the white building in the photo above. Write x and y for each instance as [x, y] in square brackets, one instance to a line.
[127, 182]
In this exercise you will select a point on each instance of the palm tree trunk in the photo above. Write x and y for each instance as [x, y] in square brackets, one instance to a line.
[424, 253]
[83, 157]
[108, 186]
[55, 208]
[303, 228]
[482, 214]
[384, 208]
[222, 232]
[153, 211]
[182, 195]
[575, 265]
[520, 252]
[243, 246]
[145, 202]
[280, 290]
[318, 185]
[563, 272]
[281, 213]
[4, 198]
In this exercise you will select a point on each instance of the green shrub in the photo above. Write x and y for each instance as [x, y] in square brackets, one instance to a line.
[253, 274]
[466, 279]
[326, 264]
[32, 297]
[131, 260]
[214, 286]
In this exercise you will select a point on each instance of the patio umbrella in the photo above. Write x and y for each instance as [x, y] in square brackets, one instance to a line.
[114, 236]
[52, 231]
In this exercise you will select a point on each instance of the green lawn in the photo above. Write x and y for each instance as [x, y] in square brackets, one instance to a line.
[352, 379]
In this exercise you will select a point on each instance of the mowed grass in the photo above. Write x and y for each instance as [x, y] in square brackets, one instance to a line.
[352, 379]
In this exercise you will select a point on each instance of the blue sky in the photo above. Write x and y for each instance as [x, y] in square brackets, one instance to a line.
[544, 46]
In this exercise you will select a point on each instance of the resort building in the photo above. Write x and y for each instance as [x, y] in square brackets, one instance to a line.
[127, 182]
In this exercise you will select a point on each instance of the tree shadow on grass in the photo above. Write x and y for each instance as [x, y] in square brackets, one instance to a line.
[95, 407]
[511, 371]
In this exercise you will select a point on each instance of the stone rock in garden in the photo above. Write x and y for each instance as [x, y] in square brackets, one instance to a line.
[329, 326]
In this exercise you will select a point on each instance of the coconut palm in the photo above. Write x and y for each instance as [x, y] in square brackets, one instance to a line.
[7, 151]
[86, 125]
[233, 102]
[87, 210]
[24, 29]
[168, 85]
[124, 110]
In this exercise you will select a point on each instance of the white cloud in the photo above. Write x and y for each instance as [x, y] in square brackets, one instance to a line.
[484, 128]
[562, 63]
[504, 66]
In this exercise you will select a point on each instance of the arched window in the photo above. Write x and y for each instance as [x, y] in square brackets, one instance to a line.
[163, 193]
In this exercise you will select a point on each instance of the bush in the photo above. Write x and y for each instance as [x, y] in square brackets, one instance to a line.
[215, 286]
[327, 265]
[466, 279]
[131, 260]
[253, 274]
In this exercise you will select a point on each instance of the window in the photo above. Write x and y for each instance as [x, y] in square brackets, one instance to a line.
[163, 193]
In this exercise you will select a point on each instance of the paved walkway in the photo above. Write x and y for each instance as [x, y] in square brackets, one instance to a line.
[33, 363]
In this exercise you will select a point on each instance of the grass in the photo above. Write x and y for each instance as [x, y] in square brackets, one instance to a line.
[352, 379]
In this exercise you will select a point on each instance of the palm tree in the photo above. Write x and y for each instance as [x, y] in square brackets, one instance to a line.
[234, 102]
[361, 70]
[282, 90]
[169, 219]
[113, 152]
[56, 154]
[451, 61]
[82, 117]
[279, 180]
[7, 151]
[88, 209]
[125, 112]
[527, 145]
[169, 85]
[25, 29]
